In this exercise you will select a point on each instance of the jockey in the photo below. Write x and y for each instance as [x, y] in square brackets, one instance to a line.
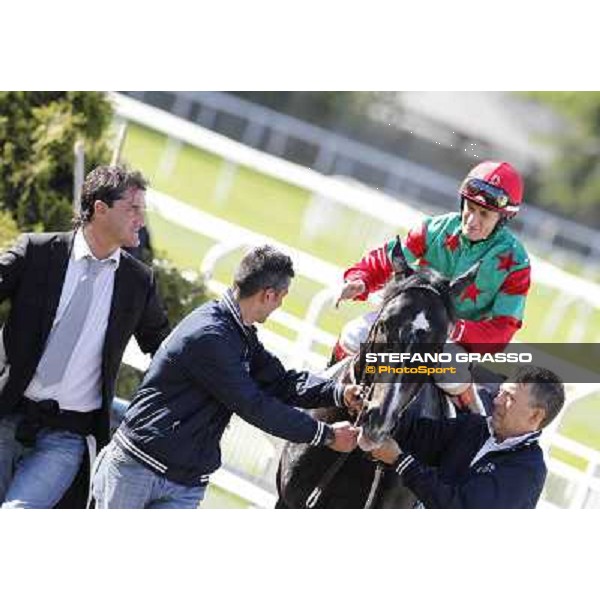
[490, 310]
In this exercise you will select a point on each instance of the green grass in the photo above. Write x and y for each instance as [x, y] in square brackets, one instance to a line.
[184, 247]
[217, 497]
[254, 201]
[582, 422]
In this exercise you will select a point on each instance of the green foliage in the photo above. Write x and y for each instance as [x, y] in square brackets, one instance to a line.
[8, 230]
[572, 181]
[128, 380]
[180, 294]
[37, 133]
[8, 234]
[582, 107]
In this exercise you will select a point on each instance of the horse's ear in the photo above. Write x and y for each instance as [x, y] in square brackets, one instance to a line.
[401, 268]
[460, 284]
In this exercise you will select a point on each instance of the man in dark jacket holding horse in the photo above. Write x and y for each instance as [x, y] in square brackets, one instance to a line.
[211, 366]
[473, 462]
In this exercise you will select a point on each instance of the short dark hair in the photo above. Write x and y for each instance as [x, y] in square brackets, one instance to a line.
[262, 268]
[107, 183]
[547, 390]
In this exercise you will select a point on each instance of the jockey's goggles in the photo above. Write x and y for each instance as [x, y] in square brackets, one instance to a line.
[487, 194]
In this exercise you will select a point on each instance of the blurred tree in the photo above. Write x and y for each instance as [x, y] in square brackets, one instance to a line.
[37, 134]
[8, 234]
[572, 182]
[180, 294]
[8, 230]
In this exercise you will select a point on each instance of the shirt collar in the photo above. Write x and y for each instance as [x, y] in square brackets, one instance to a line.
[512, 442]
[491, 445]
[229, 302]
[81, 249]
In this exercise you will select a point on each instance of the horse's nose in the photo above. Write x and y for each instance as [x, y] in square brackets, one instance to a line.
[370, 417]
[372, 426]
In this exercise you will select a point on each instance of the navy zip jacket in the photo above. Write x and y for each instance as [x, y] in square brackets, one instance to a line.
[211, 366]
[436, 465]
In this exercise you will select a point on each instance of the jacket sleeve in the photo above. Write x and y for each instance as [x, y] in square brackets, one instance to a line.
[297, 388]
[153, 326]
[12, 263]
[494, 334]
[425, 438]
[215, 366]
[375, 269]
[510, 484]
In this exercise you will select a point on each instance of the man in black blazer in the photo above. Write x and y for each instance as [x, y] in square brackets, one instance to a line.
[76, 299]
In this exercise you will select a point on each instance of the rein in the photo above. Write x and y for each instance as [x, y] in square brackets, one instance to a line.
[424, 286]
[333, 469]
[340, 461]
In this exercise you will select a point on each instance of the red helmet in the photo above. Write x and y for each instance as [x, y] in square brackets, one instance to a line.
[494, 185]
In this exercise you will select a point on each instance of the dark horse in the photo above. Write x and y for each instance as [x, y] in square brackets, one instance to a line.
[416, 312]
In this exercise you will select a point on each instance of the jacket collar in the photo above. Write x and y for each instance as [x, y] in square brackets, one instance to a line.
[520, 440]
[508, 445]
[229, 303]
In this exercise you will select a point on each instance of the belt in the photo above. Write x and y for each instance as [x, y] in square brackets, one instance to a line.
[47, 414]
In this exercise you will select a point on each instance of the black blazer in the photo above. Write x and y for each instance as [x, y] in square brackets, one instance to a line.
[32, 274]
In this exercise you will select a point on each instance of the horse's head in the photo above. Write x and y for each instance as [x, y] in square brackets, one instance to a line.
[417, 313]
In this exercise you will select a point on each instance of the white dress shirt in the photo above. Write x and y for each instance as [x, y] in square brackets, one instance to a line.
[80, 389]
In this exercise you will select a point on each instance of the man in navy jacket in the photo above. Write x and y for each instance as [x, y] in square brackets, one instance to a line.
[211, 366]
[473, 462]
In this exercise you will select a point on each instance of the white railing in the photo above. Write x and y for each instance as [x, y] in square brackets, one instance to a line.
[298, 352]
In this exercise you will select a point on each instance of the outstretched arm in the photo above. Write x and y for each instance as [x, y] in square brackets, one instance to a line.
[374, 270]
[216, 368]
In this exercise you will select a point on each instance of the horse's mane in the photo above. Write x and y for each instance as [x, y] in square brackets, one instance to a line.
[422, 277]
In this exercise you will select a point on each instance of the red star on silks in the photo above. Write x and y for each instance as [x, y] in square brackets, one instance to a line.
[471, 293]
[506, 262]
[423, 262]
[451, 242]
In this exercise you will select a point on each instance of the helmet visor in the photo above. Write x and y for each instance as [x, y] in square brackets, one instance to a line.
[487, 194]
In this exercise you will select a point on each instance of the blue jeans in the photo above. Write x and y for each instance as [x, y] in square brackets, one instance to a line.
[37, 477]
[119, 481]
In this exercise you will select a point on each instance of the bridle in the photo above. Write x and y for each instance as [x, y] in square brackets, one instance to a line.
[335, 467]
